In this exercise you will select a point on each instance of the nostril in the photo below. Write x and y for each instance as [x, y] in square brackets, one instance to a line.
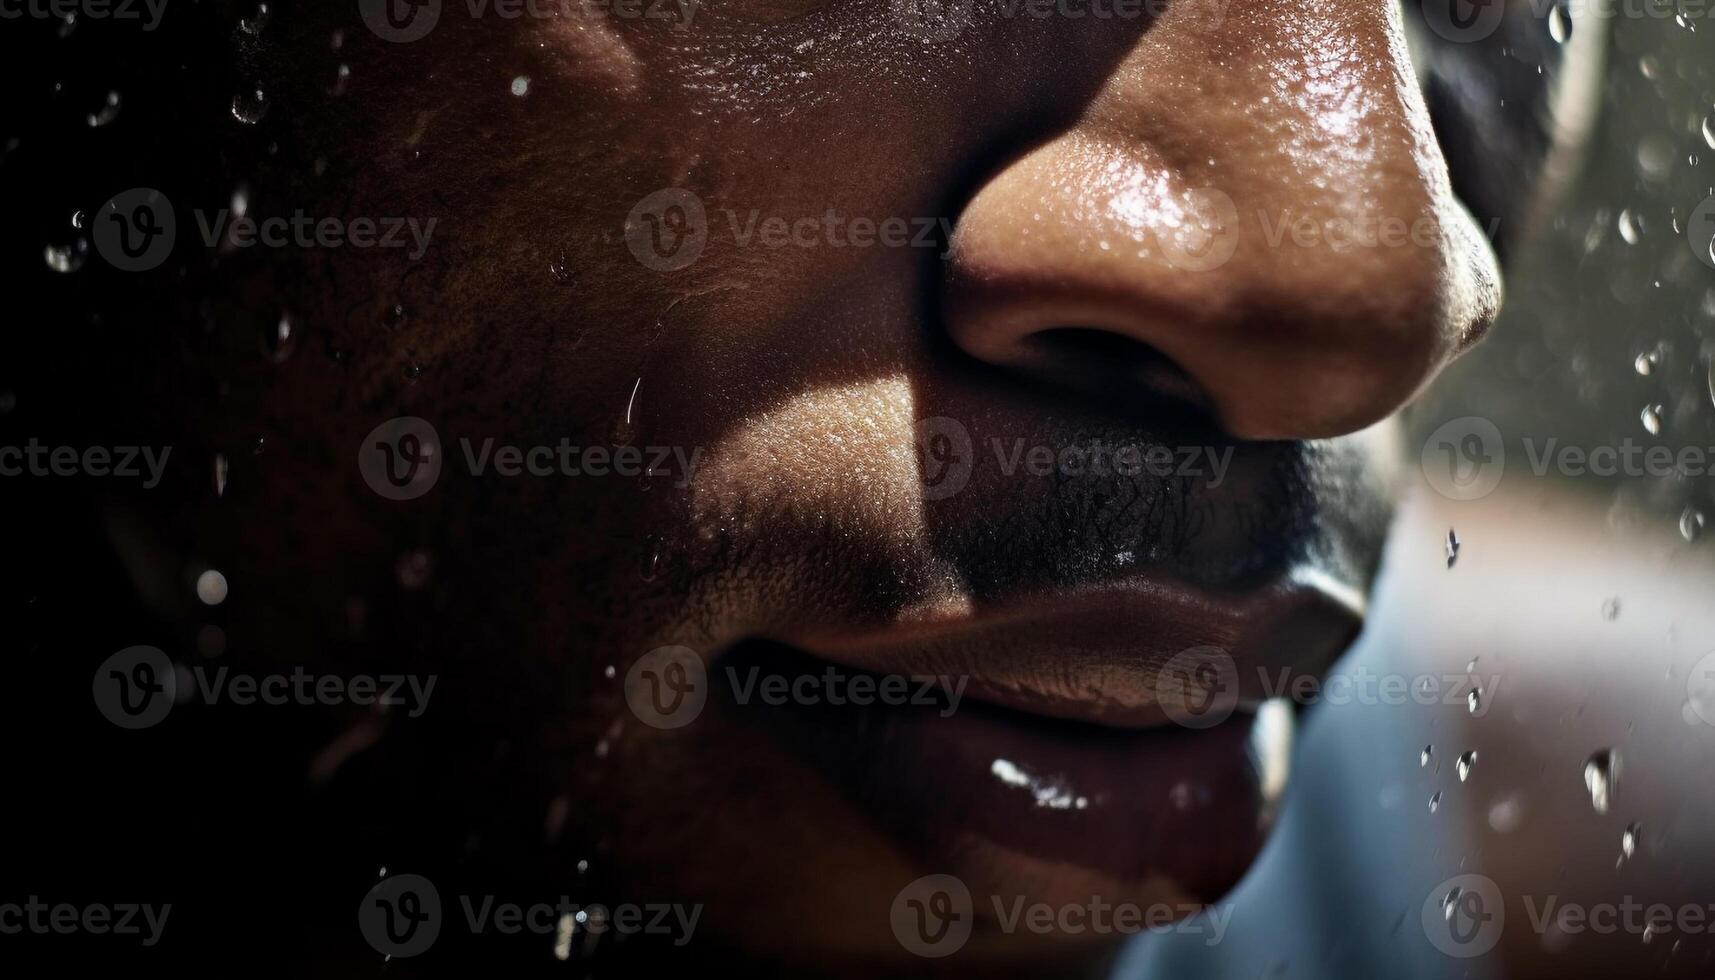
[1114, 365]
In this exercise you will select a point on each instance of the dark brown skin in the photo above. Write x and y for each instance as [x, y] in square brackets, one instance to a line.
[1076, 164]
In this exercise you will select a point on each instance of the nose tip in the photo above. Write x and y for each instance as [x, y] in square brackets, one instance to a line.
[1277, 335]
[1253, 216]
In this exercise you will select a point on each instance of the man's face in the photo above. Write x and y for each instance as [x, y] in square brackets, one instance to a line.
[934, 437]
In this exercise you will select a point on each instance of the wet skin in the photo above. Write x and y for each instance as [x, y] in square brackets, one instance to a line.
[1076, 283]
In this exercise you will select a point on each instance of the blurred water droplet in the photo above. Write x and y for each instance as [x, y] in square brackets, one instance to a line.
[221, 466]
[653, 554]
[1631, 226]
[280, 339]
[1559, 24]
[1650, 67]
[1474, 701]
[1424, 756]
[77, 220]
[1452, 547]
[66, 258]
[1650, 416]
[1629, 839]
[341, 76]
[1611, 608]
[1463, 766]
[108, 112]
[1434, 802]
[561, 270]
[257, 20]
[413, 371]
[521, 86]
[414, 568]
[1645, 363]
[395, 315]
[1601, 773]
[1709, 130]
[211, 587]
[1691, 524]
[248, 107]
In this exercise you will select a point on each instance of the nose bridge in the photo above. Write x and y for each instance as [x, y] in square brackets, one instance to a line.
[1257, 197]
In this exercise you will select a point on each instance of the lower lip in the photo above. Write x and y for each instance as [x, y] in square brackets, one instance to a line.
[1018, 805]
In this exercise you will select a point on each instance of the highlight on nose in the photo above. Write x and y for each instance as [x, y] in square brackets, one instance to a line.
[1291, 260]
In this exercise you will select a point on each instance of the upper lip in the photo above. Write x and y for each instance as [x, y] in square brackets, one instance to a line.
[1098, 654]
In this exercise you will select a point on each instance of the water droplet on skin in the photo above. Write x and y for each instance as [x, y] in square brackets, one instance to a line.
[77, 220]
[1646, 362]
[220, 469]
[250, 106]
[1601, 773]
[1691, 524]
[1709, 130]
[1629, 840]
[108, 112]
[521, 86]
[1434, 802]
[1631, 227]
[1559, 24]
[1452, 547]
[1424, 756]
[1651, 418]
[1451, 902]
[1611, 608]
[1474, 701]
[1463, 766]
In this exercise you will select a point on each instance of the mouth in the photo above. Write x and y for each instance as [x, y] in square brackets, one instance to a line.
[1067, 748]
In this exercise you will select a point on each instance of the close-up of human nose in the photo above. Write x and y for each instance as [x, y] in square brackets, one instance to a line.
[1252, 215]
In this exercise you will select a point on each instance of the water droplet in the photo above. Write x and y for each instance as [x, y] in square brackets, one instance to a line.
[1611, 608]
[257, 20]
[653, 555]
[521, 86]
[66, 258]
[1709, 130]
[1559, 24]
[1463, 766]
[280, 339]
[414, 568]
[413, 370]
[220, 469]
[341, 76]
[1434, 802]
[609, 672]
[1691, 524]
[1474, 700]
[248, 107]
[1452, 547]
[1651, 418]
[1650, 67]
[1424, 756]
[1601, 772]
[1631, 226]
[1629, 840]
[108, 112]
[394, 316]
[1646, 362]
[561, 269]
[78, 219]
[211, 587]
